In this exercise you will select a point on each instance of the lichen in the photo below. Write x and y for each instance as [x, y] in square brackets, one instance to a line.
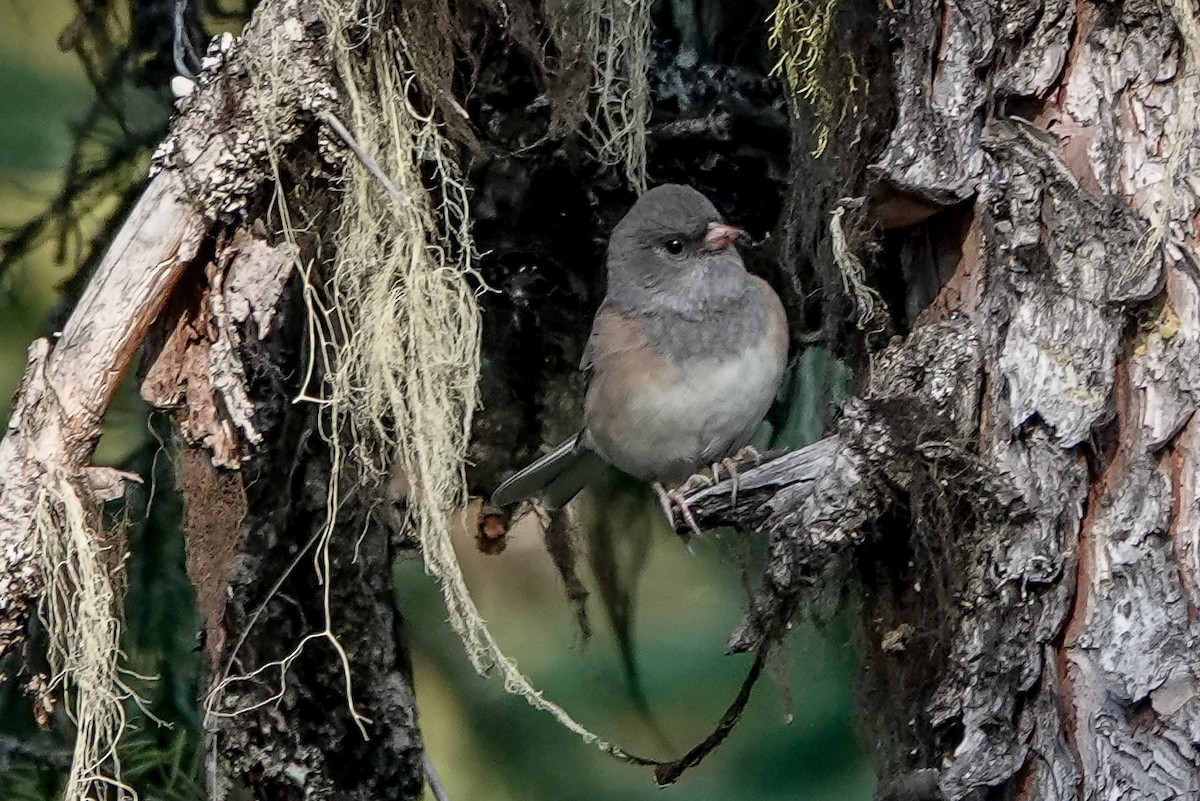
[831, 85]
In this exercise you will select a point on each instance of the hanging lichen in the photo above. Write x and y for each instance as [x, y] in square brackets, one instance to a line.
[395, 327]
[829, 83]
[609, 40]
[80, 564]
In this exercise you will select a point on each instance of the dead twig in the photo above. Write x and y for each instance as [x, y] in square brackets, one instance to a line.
[372, 166]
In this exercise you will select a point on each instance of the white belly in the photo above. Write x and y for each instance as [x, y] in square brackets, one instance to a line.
[671, 429]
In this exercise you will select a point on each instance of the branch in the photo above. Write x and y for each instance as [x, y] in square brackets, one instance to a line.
[911, 425]
[773, 485]
[68, 384]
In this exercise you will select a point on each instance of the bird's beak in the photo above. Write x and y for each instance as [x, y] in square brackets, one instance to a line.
[721, 236]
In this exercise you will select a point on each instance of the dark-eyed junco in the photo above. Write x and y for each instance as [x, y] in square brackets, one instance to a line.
[685, 356]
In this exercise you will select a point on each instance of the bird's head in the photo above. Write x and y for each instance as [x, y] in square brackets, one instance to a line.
[673, 233]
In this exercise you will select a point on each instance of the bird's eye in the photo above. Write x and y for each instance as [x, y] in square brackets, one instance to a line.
[674, 247]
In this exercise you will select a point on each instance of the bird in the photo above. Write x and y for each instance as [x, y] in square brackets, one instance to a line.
[685, 356]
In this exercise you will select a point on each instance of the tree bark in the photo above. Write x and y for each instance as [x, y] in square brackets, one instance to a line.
[1013, 493]
[310, 687]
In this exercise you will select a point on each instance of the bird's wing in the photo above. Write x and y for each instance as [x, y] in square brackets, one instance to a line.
[560, 474]
[587, 363]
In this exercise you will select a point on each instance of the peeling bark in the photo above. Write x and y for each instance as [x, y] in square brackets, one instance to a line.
[219, 307]
[68, 383]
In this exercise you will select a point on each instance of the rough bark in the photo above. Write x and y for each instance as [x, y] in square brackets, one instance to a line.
[288, 732]
[254, 472]
[308, 721]
[1012, 495]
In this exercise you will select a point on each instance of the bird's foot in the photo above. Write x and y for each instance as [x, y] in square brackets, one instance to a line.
[730, 465]
[696, 481]
[673, 499]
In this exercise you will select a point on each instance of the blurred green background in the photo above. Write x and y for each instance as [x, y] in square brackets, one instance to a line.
[486, 744]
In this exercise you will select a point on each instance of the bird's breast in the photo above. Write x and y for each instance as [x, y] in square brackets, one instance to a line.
[662, 419]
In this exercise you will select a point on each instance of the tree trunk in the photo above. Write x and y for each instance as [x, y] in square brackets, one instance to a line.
[1012, 496]
[309, 676]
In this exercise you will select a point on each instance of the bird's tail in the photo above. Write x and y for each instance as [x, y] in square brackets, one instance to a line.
[556, 478]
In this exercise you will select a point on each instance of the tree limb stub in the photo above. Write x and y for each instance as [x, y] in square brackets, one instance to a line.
[910, 425]
[68, 384]
[775, 484]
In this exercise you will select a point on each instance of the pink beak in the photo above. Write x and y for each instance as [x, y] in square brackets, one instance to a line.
[721, 236]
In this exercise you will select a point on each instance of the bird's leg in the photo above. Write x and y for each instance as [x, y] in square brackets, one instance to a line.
[746, 452]
[672, 500]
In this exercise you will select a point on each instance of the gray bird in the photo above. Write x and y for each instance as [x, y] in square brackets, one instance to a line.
[685, 356]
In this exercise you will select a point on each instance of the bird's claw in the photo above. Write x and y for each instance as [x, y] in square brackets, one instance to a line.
[673, 499]
[730, 465]
[696, 481]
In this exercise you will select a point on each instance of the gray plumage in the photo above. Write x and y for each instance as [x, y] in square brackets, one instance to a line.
[686, 353]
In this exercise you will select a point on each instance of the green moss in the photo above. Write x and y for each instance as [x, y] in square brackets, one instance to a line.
[831, 85]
